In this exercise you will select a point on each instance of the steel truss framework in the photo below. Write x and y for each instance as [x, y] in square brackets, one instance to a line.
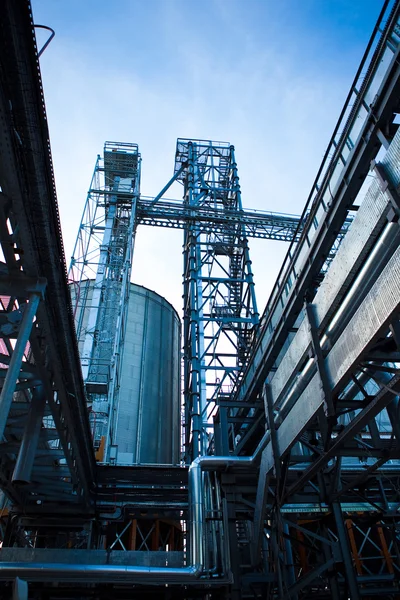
[40, 372]
[220, 313]
[300, 498]
[324, 368]
[99, 277]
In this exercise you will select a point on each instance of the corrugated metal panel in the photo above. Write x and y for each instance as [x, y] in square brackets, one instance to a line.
[366, 227]
[148, 413]
[378, 307]
[148, 418]
[290, 361]
[302, 412]
[391, 161]
[362, 234]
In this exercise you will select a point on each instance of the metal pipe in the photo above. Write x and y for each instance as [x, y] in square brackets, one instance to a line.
[96, 573]
[120, 326]
[196, 507]
[47, 42]
[210, 511]
[364, 280]
[156, 575]
[26, 455]
[380, 254]
[350, 574]
[289, 559]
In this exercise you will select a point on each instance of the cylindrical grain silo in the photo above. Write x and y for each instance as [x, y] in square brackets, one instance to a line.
[147, 405]
[148, 413]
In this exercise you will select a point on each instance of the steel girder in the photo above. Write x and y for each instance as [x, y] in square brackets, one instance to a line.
[40, 358]
[214, 219]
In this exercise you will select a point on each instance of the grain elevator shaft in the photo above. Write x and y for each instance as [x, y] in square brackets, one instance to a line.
[99, 276]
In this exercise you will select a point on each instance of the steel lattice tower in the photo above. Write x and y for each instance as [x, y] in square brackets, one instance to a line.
[103, 252]
[220, 310]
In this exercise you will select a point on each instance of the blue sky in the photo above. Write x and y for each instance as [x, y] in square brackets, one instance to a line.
[268, 76]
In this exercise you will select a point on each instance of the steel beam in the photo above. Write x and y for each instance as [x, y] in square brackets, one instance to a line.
[356, 424]
[10, 381]
[27, 451]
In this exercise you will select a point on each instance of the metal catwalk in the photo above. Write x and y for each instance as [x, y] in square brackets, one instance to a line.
[288, 485]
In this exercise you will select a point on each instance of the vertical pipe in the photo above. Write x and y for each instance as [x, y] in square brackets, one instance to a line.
[16, 359]
[277, 560]
[346, 554]
[123, 305]
[289, 559]
[26, 455]
[20, 589]
[89, 341]
[186, 350]
[196, 514]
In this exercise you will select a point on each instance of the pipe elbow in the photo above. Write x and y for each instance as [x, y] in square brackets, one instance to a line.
[196, 463]
[195, 571]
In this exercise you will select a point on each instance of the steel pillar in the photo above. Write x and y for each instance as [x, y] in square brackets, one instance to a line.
[26, 455]
[351, 579]
[10, 381]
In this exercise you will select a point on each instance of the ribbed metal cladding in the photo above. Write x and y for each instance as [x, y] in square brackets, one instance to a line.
[148, 415]
[378, 308]
[148, 407]
[391, 160]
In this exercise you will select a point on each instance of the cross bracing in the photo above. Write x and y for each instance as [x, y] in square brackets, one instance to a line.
[99, 278]
[222, 302]
[214, 219]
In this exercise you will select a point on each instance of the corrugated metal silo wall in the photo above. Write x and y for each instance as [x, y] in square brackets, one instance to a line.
[148, 420]
[148, 413]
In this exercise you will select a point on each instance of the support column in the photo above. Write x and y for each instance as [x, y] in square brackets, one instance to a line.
[291, 575]
[315, 342]
[223, 415]
[10, 381]
[26, 455]
[263, 477]
[350, 575]
[277, 559]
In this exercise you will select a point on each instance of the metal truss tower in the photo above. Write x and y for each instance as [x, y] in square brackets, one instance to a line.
[99, 276]
[220, 310]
